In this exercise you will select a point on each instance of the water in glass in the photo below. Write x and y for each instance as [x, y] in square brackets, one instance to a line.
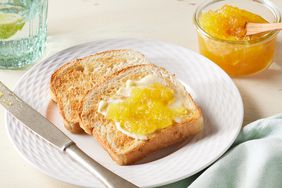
[23, 31]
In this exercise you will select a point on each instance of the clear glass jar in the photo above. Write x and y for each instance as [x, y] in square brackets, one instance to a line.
[239, 58]
[23, 30]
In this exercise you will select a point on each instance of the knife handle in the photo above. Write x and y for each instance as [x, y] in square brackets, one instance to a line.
[108, 178]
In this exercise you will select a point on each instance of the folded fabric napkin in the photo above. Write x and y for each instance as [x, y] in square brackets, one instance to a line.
[253, 161]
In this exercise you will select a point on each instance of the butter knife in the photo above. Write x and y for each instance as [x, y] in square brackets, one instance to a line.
[49, 132]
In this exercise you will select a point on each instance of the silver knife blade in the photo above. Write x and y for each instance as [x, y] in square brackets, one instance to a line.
[33, 119]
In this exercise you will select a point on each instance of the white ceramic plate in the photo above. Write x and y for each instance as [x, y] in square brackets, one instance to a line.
[212, 89]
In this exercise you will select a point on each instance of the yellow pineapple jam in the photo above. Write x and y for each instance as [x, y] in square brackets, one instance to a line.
[146, 110]
[229, 47]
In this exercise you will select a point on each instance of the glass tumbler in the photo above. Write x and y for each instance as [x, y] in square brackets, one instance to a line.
[23, 29]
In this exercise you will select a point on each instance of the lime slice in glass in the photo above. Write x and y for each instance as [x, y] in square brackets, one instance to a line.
[10, 24]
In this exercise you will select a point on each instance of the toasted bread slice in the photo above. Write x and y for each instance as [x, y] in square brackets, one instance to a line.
[70, 82]
[125, 149]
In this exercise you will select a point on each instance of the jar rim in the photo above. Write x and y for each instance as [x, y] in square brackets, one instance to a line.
[268, 4]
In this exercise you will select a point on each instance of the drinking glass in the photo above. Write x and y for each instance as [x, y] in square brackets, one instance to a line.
[23, 29]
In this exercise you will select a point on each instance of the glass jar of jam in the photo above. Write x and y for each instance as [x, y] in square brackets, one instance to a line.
[221, 34]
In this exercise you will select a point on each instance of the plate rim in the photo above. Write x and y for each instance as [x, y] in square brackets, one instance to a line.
[42, 61]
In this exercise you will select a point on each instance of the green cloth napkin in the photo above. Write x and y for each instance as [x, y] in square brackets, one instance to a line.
[253, 161]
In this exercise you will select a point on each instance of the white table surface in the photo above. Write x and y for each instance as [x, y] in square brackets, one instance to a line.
[71, 22]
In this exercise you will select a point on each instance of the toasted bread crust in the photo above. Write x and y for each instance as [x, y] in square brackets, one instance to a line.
[57, 95]
[161, 139]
